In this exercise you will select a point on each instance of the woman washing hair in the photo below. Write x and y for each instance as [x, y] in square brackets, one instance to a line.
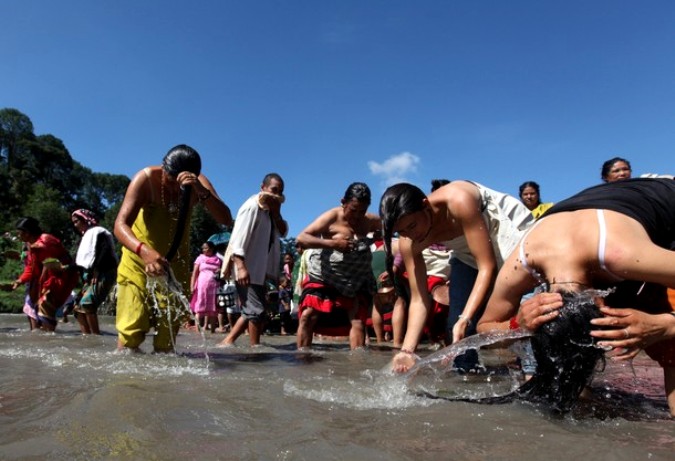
[480, 225]
[618, 235]
[156, 209]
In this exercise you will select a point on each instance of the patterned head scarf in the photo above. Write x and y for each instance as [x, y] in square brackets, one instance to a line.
[87, 216]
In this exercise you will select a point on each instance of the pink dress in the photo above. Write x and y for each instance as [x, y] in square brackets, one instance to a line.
[204, 300]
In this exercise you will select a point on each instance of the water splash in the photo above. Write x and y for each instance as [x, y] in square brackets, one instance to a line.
[435, 375]
[170, 304]
[372, 390]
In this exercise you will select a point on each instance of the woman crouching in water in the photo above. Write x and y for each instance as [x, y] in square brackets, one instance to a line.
[480, 225]
[616, 235]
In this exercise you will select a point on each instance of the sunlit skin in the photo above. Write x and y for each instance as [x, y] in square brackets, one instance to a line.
[415, 226]
[620, 170]
[337, 229]
[140, 193]
[146, 189]
[530, 198]
[563, 249]
[449, 212]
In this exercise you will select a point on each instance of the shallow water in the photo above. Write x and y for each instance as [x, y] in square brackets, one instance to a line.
[64, 397]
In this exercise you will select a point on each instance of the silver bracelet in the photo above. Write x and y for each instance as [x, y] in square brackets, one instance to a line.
[467, 318]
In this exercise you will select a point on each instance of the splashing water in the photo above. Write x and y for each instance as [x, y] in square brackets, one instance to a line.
[167, 292]
[435, 376]
[499, 352]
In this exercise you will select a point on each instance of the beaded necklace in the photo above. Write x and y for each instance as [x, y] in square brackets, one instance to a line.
[169, 203]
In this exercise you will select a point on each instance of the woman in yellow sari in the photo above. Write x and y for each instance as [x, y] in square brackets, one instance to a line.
[152, 225]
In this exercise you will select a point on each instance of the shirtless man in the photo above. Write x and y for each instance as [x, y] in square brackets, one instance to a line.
[339, 272]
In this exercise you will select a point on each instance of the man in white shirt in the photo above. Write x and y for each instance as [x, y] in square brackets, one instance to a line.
[253, 255]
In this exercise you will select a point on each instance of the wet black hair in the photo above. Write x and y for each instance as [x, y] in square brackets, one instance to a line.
[358, 191]
[30, 225]
[397, 201]
[607, 166]
[566, 355]
[182, 158]
[438, 183]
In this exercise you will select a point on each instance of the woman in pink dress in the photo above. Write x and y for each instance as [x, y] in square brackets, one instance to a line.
[205, 285]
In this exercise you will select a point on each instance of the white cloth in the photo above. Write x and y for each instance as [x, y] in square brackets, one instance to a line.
[507, 220]
[437, 262]
[250, 239]
[86, 252]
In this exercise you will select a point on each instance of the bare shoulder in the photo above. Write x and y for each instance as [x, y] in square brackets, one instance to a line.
[461, 198]
[323, 221]
[140, 188]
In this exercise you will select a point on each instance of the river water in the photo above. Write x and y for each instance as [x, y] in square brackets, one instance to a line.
[68, 397]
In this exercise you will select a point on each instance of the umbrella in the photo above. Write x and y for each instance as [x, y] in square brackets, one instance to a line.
[220, 238]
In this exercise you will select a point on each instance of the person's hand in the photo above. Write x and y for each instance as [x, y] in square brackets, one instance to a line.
[383, 277]
[628, 331]
[403, 361]
[155, 263]
[243, 278]
[343, 244]
[186, 178]
[538, 310]
[459, 329]
[273, 203]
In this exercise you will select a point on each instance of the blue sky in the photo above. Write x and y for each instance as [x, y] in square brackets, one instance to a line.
[330, 92]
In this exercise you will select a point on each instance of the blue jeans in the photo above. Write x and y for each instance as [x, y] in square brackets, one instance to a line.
[462, 279]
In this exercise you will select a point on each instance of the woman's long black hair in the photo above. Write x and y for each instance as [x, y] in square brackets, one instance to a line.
[566, 355]
[181, 158]
[397, 201]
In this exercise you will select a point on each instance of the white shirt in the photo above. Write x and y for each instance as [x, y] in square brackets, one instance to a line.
[250, 240]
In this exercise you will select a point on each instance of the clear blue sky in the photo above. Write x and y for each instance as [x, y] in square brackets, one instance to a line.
[330, 92]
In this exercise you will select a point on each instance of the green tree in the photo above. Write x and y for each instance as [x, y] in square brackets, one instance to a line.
[14, 127]
[202, 227]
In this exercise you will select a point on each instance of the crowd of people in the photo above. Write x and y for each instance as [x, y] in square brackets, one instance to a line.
[434, 267]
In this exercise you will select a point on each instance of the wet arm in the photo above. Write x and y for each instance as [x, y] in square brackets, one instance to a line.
[312, 236]
[418, 309]
[478, 239]
[210, 199]
[137, 195]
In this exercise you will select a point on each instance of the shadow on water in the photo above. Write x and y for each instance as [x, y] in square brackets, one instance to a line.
[256, 357]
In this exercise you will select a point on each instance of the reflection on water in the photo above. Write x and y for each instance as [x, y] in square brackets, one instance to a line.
[64, 396]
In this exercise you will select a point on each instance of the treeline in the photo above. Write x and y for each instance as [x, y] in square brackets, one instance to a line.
[41, 179]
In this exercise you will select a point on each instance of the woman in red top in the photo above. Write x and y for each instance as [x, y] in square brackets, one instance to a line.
[49, 273]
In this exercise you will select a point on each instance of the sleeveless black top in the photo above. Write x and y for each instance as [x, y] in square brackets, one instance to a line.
[650, 201]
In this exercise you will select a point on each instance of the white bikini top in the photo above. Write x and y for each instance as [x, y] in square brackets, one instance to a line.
[602, 241]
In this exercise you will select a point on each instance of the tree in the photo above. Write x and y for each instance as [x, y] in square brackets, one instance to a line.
[202, 227]
[14, 126]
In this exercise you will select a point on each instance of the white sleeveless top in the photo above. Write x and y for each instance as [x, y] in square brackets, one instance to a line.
[507, 220]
